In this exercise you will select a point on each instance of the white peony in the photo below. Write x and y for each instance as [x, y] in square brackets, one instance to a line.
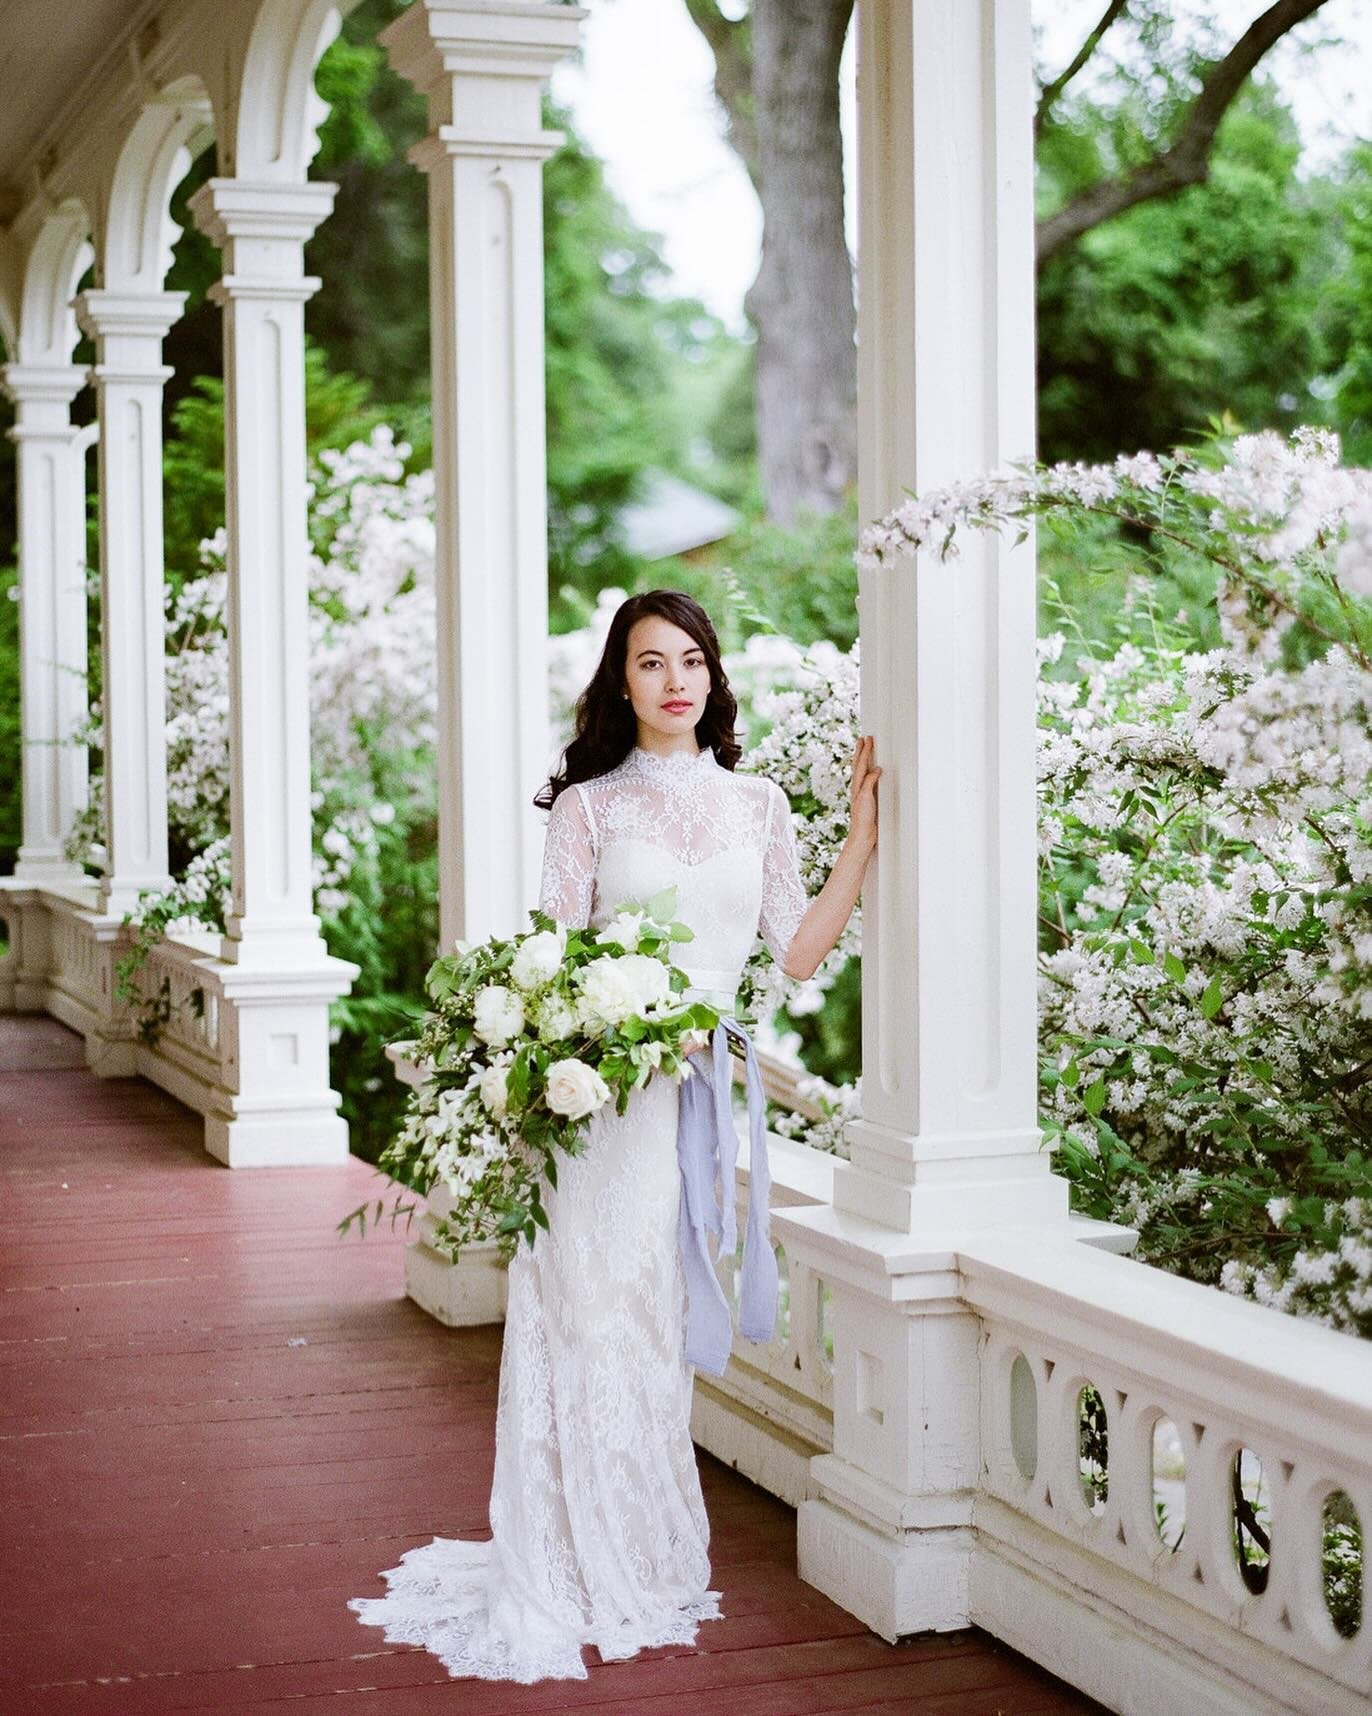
[499, 1015]
[649, 979]
[624, 928]
[538, 959]
[556, 1019]
[574, 1089]
[613, 990]
[494, 1089]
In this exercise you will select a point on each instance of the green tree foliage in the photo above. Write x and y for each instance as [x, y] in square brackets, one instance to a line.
[1213, 300]
[338, 409]
[371, 314]
[1353, 399]
[622, 355]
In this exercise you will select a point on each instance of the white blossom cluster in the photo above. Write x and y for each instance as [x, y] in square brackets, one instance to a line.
[837, 1104]
[812, 713]
[1281, 498]
[1330, 1282]
[371, 663]
[1279, 501]
[572, 658]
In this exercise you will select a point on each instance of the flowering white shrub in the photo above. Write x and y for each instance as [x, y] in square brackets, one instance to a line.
[1206, 865]
[373, 683]
[812, 711]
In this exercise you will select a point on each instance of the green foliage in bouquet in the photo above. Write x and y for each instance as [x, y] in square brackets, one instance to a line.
[527, 1038]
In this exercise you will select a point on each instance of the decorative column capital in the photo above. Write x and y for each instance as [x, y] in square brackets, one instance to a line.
[134, 315]
[34, 384]
[449, 141]
[229, 210]
[482, 64]
[262, 229]
[128, 328]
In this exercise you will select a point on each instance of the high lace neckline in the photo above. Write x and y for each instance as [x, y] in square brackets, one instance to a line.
[657, 764]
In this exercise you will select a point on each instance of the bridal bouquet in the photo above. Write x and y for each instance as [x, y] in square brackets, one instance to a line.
[527, 1038]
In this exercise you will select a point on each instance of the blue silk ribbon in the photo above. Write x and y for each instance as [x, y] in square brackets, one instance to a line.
[707, 1152]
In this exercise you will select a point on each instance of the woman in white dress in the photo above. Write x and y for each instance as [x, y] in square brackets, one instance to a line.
[599, 1532]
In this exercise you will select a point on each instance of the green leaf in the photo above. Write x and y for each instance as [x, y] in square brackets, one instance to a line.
[1093, 1100]
[1213, 998]
[662, 906]
[1174, 967]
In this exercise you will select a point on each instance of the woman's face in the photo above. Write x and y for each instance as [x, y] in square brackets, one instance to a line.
[668, 681]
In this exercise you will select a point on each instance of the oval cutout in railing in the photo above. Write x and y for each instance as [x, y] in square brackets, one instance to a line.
[1024, 1417]
[1250, 1508]
[1341, 1542]
[1169, 1483]
[783, 1324]
[1093, 1448]
[826, 1324]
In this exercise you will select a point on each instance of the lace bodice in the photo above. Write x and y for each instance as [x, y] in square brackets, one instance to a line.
[724, 840]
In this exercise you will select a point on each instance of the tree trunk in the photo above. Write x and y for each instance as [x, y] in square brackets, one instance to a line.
[802, 300]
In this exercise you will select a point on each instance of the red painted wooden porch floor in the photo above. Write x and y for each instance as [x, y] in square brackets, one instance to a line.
[218, 1421]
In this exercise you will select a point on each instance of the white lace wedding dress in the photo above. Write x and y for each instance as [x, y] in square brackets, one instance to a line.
[599, 1529]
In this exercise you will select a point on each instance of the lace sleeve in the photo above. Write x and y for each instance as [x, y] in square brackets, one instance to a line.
[784, 900]
[569, 860]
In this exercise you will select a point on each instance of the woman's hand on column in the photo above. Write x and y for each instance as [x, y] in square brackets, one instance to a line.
[862, 796]
[822, 925]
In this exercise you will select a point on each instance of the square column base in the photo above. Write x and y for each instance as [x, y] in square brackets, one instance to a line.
[915, 1582]
[297, 1138]
[462, 1295]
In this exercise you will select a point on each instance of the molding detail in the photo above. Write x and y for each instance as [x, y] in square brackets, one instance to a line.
[229, 209]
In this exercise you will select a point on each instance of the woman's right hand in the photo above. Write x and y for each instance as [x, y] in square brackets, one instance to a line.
[862, 796]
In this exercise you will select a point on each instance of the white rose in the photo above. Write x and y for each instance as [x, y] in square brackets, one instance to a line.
[494, 1089]
[499, 1015]
[624, 928]
[537, 959]
[574, 1089]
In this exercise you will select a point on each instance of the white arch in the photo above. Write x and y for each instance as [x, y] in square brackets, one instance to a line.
[60, 255]
[11, 273]
[139, 231]
[279, 110]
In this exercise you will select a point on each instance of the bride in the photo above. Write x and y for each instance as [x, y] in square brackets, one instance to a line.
[599, 1533]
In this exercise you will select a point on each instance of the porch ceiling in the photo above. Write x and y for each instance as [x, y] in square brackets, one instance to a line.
[47, 53]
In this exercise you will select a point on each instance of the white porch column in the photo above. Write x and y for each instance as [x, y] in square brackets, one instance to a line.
[483, 67]
[262, 231]
[52, 612]
[278, 1107]
[948, 1138]
[128, 331]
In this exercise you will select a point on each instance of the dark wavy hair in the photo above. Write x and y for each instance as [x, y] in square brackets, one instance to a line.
[605, 724]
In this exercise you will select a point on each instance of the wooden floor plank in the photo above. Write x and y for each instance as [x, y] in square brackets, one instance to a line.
[219, 1421]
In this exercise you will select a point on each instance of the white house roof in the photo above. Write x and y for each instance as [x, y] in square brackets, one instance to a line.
[673, 517]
